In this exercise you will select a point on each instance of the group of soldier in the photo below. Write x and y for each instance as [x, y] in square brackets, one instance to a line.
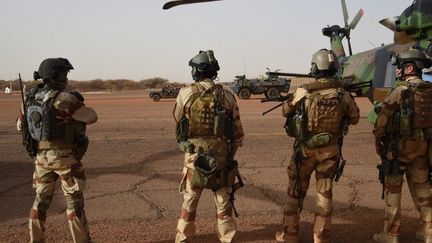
[209, 131]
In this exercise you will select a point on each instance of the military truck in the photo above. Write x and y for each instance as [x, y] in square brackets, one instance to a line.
[165, 92]
[271, 86]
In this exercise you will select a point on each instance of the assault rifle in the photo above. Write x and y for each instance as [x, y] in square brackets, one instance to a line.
[347, 85]
[29, 143]
[341, 164]
[280, 98]
[389, 166]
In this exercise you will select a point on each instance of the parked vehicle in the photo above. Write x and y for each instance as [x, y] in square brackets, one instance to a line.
[271, 86]
[165, 92]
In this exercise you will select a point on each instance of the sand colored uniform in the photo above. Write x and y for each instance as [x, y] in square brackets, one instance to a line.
[323, 160]
[57, 159]
[412, 152]
[225, 226]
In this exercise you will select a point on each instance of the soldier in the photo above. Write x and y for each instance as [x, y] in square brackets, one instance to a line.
[209, 131]
[54, 126]
[402, 134]
[318, 116]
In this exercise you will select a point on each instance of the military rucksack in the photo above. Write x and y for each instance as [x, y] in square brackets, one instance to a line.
[324, 113]
[39, 113]
[207, 114]
[415, 107]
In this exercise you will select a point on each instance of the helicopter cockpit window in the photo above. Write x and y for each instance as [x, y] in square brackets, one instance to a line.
[390, 75]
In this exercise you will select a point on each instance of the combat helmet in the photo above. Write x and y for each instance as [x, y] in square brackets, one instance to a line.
[204, 65]
[55, 69]
[324, 63]
[413, 56]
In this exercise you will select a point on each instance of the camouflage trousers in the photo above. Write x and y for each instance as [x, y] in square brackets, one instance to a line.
[417, 177]
[323, 161]
[225, 225]
[49, 166]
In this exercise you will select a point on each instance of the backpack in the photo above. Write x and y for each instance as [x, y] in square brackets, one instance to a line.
[325, 112]
[39, 114]
[207, 115]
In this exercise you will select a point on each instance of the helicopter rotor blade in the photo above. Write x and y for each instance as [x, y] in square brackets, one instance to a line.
[175, 3]
[390, 22]
[345, 12]
[356, 19]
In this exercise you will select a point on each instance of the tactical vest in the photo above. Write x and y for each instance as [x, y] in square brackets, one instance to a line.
[324, 111]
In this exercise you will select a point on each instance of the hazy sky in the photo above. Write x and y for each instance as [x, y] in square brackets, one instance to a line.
[136, 39]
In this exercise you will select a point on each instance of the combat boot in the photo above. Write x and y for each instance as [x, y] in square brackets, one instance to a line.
[282, 237]
[385, 238]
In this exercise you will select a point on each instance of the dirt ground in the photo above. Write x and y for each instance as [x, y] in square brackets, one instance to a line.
[133, 169]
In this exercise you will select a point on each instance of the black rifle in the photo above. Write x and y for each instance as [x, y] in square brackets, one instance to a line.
[341, 164]
[389, 167]
[298, 156]
[280, 98]
[234, 188]
[29, 143]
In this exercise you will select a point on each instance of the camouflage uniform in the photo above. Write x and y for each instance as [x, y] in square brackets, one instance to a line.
[413, 153]
[56, 159]
[225, 226]
[322, 160]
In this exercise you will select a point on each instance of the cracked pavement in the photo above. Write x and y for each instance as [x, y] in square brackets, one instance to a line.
[133, 168]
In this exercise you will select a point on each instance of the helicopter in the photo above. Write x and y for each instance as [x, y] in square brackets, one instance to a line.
[412, 29]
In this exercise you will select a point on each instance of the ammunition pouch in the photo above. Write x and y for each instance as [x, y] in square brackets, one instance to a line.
[182, 129]
[293, 125]
[318, 140]
[208, 175]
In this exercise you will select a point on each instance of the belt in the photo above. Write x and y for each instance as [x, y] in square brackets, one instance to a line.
[59, 144]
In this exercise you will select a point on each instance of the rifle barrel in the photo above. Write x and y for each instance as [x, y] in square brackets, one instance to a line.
[22, 95]
[265, 112]
[300, 75]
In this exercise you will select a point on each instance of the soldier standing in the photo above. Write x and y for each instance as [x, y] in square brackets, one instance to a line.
[318, 116]
[402, 134]
[209, 131]
[54, 127]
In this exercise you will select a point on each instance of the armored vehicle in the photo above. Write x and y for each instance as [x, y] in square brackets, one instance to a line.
[271, 86]
[165, 92]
